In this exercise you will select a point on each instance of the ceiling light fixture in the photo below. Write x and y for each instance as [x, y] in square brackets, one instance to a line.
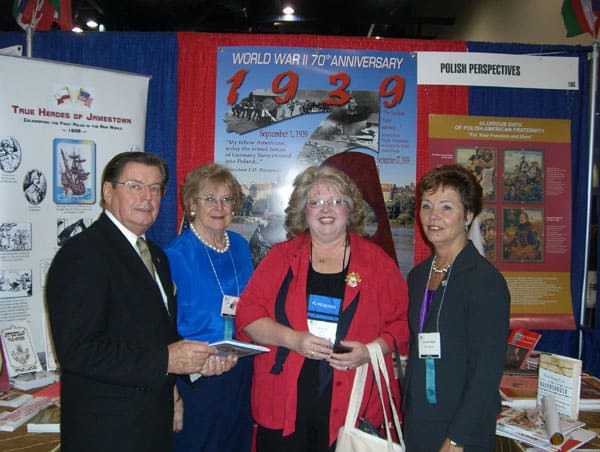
[288, 11]
[91, 23]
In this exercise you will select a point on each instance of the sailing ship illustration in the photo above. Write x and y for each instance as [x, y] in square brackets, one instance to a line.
[72, 175]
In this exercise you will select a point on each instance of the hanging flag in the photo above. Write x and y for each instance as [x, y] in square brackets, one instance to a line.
[26, 12]
[42, 14]
[581, 16]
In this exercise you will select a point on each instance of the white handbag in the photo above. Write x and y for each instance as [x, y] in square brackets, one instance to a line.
[352, 439]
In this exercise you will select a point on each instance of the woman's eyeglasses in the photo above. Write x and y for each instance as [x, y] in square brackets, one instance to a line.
[211, 201]
[318, 203]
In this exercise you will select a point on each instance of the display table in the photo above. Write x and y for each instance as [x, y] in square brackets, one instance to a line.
[20, 440]
[50, 442]
[592, 420]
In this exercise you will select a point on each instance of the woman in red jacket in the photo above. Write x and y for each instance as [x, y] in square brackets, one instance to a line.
[316, 300]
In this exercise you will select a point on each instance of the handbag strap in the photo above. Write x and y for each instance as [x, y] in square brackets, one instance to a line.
[356, 396]
[379, 367]
[398, 361]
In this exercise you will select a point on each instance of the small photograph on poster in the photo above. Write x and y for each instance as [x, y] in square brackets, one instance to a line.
[487, 225]
[15, 236]
[352, 125]
[260, 109]
[523, 233]
[74, 171]
[523, 171]
[15, 284]
[481, 161]
[70, 227]
[35, 187]
[10, 154]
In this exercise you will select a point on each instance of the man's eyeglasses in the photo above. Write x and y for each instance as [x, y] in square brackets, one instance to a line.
[318, 203]
[137, 188]
[211, 201]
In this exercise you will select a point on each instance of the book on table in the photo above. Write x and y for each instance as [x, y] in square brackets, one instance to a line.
[589, 395]
[46, 421]
[33, 380]
[13, 398]
[527, 426]
[21, 356]
[521, 343]
[560, 377]
[52, 391]
[519, 390]
[12, 420]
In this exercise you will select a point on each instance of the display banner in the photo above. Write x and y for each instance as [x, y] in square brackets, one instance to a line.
[281, 109]
[498, 70]
[524, 168]
[59, 126]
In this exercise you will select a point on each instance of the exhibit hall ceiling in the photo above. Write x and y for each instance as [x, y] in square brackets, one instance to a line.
[428, 19]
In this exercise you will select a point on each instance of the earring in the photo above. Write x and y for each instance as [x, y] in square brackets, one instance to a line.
[466, 228]
[192, 214]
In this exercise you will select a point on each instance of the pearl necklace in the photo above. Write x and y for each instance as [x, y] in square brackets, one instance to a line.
[439, 270]
[208, 245]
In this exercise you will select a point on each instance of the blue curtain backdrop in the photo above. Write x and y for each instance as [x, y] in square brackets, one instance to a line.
[153, 54]
[534, 103]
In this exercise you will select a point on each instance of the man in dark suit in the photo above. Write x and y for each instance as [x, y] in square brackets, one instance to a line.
[113, 320]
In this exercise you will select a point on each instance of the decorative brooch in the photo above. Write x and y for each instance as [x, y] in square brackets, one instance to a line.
[352, 279]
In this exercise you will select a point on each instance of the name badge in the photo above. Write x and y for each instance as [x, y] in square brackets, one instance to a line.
[323, 315]
[430, 345]
[229, 305]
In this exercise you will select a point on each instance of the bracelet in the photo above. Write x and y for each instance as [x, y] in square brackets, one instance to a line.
[453, 443]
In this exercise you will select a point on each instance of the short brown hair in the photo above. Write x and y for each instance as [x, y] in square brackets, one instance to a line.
[460, 179]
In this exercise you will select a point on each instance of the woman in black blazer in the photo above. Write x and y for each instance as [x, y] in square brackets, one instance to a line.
[458, 343]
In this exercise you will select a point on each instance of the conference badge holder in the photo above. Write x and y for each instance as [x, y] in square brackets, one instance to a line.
[430, 345]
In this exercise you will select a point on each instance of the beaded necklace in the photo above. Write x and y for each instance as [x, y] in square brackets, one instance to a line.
[439, 270]
[208, 245]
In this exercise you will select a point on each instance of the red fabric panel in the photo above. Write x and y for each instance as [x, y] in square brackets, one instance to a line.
[449, 100]
[197, 86]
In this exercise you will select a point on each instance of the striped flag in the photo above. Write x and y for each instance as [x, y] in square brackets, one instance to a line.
[581, 16]
[42, 14]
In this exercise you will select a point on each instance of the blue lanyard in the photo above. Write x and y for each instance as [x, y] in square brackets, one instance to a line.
[430, 387]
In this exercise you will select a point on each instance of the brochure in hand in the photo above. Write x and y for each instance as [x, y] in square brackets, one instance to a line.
[228, 347]
[232, 347]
